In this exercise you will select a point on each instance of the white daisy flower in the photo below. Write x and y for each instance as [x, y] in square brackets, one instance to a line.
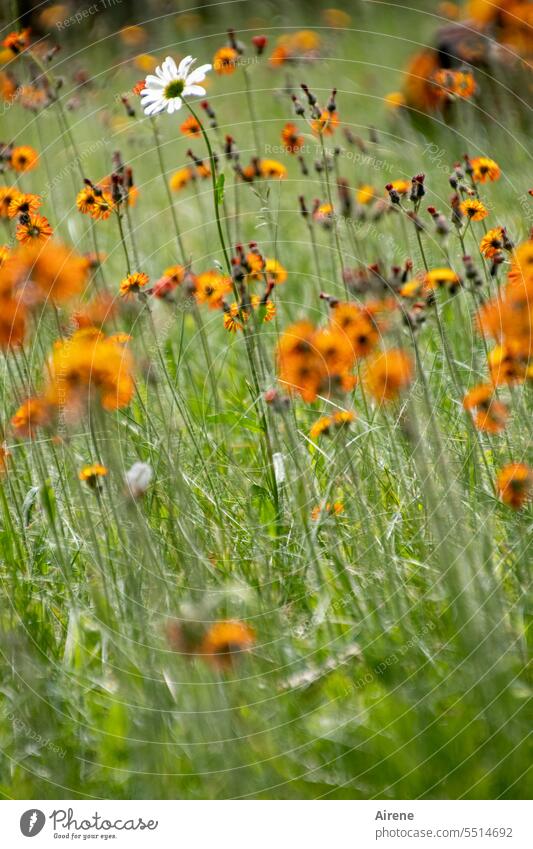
[170, 84]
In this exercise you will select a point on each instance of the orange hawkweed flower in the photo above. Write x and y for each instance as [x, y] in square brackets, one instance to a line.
[268, 306]
[365, 194]
[50, 271]
[32, 414]
[485, 169]
[105, 186]
[451, 84]
[323, 215]
[23, 158]
[312, 361]
[181, 178]
[272, 168]
[291, 138]
[334, 509]
[232, 314]
[395, 99]
[325, 424]
[388, 374]
[133, 283]
[24, 204]
[299, 366]
[33, 228]
[489, 414]
[89, 365]
[95, 202]
[7, 194]
[33, 97]
[171, 278]
[506, 364]
[275, 272]
[5, 454]
[104, 207]
[439, 278]
[211, 287]
[514, 484]
[96, 312]
[225, 640]
[321, 426]
[326, 124]
[492, 242]
[473, 209]
[86, 200]
[225, 60]
[190, 127]
[401, 186]
[5, 253]
[13, 320]
[522, 263]
[334, 349]
[91, 474]
[17, 42]
[358, 327]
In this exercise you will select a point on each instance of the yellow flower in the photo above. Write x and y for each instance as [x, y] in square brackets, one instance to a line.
[365, 194]
[321, 426]
[225, 640]
[181, 178]
[395, 99]
[438, 278]
[91, 474]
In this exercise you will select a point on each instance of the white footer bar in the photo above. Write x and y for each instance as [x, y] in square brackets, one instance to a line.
[267, 824]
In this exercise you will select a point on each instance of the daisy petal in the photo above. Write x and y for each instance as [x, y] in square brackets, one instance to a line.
[154, 108]
[184, 66]
[170, 68]
[156, 82]
[193, 90]
[198, 74]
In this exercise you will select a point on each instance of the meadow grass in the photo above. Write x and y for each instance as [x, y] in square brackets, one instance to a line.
[390, 640]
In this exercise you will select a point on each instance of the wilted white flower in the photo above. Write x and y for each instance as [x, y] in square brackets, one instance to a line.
[279, 467]
[170, 84]
[139, 478]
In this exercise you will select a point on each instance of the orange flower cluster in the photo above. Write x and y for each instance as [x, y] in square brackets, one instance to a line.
[90, 364]
[326, 424]
[236, 316]
[514, 485]
[85, 367]
[452, 84]
[315, 361]
[225, 60]
[388, 374]
[183, 176]
[211, 287]
[303, 45]
[484, 170]
[489, 414]
[220, 644]
[94, 201]
[35, 274]
[508, 319]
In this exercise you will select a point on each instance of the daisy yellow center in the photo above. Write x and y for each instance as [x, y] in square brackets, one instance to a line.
[174, 89]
